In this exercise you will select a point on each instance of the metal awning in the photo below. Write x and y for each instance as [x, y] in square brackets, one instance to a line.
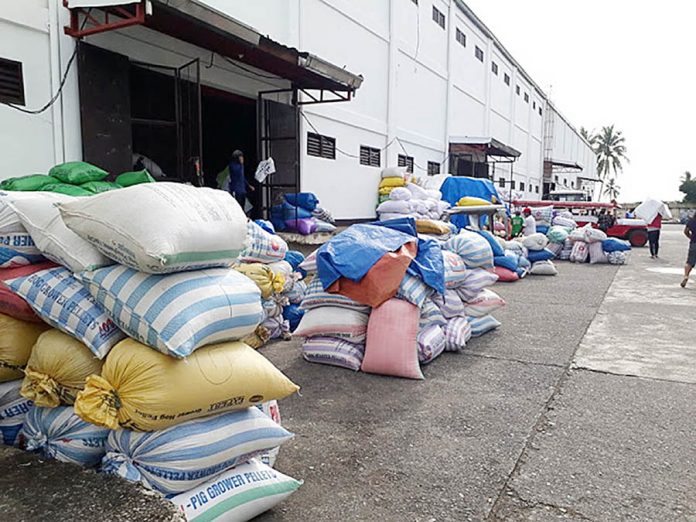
[570, 165]
[487, 145]
[588, 177]
[201, 25]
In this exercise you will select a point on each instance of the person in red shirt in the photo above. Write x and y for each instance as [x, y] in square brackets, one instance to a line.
[654, 235]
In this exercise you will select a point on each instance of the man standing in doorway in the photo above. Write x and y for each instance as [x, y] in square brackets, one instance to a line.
[690, 232]
[654, 235]
[238, 183]
[529, 222]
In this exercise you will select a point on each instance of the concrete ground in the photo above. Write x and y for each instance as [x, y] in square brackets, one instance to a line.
[580, 407]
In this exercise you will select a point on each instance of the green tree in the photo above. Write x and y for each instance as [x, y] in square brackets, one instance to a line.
[610, 147]
[590, 136]
[688, 187]
[611, 189]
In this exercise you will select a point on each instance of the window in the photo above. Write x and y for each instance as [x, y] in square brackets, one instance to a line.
[537, 189]
[11, 82]
[501, 182]
[526, 97]
[406, 161]
[512, 184]
[539, 110]
[479, 53]
[534, 105]
[565, 182]
[461, 38]
[517, 90]
[506, 78]
[494, 68]
[438, 17]
[321, 146]
[370, 156]
[556, 179]
[433, 168]
[522, 186]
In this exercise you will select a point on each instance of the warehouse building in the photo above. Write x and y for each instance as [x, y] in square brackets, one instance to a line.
[332, 90]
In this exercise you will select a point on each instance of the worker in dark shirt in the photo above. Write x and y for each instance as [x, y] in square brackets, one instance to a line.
[238, 183]
[690, 232]
[605, 220]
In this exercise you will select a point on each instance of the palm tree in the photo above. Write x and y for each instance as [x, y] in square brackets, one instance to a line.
[589, 136]
[686, 177]
[611, 189]
[610, 148]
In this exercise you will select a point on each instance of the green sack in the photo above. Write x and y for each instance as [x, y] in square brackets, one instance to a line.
[95, 187]
[29, 183]
[134, 178]
[64, 188]
[77, 173]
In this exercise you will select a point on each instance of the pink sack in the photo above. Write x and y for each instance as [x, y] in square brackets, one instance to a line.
[10, 303]
[391, 347]
[505, 275]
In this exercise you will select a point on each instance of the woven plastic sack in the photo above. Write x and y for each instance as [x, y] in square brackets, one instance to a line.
[41, 218]
[455, 269]
[579, 234]
[470, 201]
[472, 248]
[486, 302]
[239, 494]
[580, 252]
[97, 187]
[13, 409]
[334, 352]
[431, 343]
[594, 235]
[557, 234]
[10, 303]
[18, 249]
[57, 433]
[496, 247]
[334, 321]
[616, 258]
[262, 247]
[392, 182]
[536, 241]
[176, 459]
[597, 254]
[555, 248]
[476, 280]
[505, 275]
[64, 303]
[67, 189]
[543, 268]
[613, 244]
[142, 389]
[137, 177]
[414, 290]
[430, 315]
[482, 325]
[178, 227]
[9, 221]
[393, 172]
[540, 255]
[391, 347]
[178, 313]
[544, 214]
[564, 222]
[16, 341]
[400, 194]
[57, 369]
[77, 172]
[263, 276]
[315, 297]
[457, 333]
[30, 183]
[450, 304]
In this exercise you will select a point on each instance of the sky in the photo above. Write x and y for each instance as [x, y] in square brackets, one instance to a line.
[621, 62]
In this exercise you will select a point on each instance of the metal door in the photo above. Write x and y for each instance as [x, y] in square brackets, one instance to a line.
[189, 119]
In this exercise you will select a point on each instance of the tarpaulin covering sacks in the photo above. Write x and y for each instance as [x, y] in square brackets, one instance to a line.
[431, 343]
[615, 245]
[457, 334]
[178, 313]
[456, 187]
[333, 351]
[334, 321]
[16, 341]
[41, 217]
[241, 493]
[391, 347]
[179, 227]
[181, 457]
[482, 325]
[315, 297]
[10, 303]
[13, 409]
[18, 249]
[142, 389]
[61, 300]
[57, 369]
[262, 246]
[57, 433]
[474, 249]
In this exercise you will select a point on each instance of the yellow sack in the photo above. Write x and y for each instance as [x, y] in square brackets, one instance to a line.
[142, 389]
[257, 339]
[385, 191]
[431, 226]
[470, 201]
[16, 340]
[57, 369]
[267, 281]
[392, 182]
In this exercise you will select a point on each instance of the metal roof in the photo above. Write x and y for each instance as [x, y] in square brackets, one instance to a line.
[489, 145]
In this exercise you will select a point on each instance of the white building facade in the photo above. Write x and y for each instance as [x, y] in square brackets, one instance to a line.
[433, 76]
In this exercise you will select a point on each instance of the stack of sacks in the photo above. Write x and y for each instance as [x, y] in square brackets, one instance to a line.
[75, 178]
[615, 250]
[564, 219]
[400, 197]
[538, 255]
[295, 291]
[506, 261]
[557, 236]
[391, 178]
[588, 245]
[543, 217]
[173, 292]
[302, 214]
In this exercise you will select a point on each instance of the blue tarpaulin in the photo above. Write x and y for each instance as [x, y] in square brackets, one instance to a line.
[456, 187]
[353, 252]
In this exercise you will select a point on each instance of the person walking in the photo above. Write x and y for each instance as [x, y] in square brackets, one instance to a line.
[517, 224]
[690, 232]
[238, 182]
[654, 235]
[529, 222]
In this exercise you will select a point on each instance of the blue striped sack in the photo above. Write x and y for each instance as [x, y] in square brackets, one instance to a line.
[474, 249]
[431, 343]
[455, 269]
[316, 297]
[457, 334]
[430, 314]
[413, 290]
[476, 280]
[482, 325]
[262, 246]
[18, 249]
[13, 409]
[450, 304]
[59, 299]
[57, 433]
[178, 313]
[181, 457]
